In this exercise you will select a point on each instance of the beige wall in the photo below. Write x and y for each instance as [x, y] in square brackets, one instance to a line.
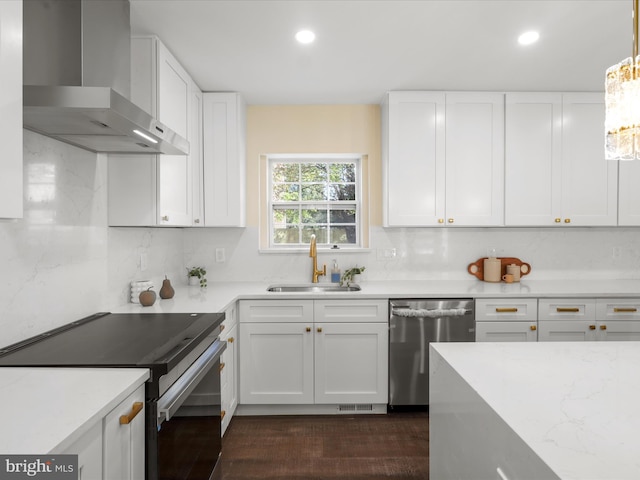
[313, 129]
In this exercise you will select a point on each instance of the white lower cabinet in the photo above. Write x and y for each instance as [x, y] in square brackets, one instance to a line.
[306, 352]
[507, 320]
[229, 368]
[113, 447]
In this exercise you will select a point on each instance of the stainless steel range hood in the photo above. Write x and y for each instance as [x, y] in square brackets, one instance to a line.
[77, 79]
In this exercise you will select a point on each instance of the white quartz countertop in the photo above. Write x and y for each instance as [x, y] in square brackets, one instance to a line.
[44, 410]
[575, 404]
[218, 296]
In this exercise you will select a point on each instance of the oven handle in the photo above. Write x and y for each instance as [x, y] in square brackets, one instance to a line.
[174, 397]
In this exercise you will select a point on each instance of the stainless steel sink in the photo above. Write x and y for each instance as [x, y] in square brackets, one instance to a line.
[313, 288]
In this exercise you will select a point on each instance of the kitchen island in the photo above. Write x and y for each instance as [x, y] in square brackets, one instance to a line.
[535, 411]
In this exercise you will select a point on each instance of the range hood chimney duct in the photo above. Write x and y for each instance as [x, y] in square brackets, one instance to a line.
[77, 64]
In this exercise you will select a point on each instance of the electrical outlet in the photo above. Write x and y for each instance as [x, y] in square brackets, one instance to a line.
[220, 255]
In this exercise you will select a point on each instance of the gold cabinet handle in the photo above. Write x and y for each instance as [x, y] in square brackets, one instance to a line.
[319, 329]
[450, 220]
[567, 220]
[308, 329]
[222, 414]
[557, 220]
[506, 310]
[222, 327]
[603, 327]
[592, 327]
[533, 328]
[222, 364]
[165, 218]
[441, 220]
[135, 410]
[196, 221]
[567, 309]
[623, 310]
[230, 340]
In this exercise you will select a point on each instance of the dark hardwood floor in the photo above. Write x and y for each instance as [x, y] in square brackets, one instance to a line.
[365, 447]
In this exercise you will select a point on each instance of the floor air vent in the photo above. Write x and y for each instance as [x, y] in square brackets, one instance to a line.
[354, 407]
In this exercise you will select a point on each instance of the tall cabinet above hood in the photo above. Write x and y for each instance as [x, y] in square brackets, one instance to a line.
[76, 69]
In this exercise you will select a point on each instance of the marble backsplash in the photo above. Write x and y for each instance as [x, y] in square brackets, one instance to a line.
[61, 262]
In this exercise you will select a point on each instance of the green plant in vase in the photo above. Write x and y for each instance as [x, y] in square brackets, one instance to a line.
[199, 273]
[347, 276]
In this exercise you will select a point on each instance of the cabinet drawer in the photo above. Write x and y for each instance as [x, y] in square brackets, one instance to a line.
[281, 311]
[372, 311]
[511, 309]
[567, 309]
[230, 321]
[618, 309]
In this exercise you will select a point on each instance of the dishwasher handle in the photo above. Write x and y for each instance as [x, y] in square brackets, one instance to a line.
[427, 313]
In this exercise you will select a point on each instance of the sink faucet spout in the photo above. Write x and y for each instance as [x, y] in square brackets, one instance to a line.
[313, 253]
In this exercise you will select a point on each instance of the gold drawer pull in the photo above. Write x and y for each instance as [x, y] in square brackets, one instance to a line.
[222, 327]
[506, 310]
[592, 327]
[165, 218]
[567, 220]
[567, 309]
[625, 310]
[230, 340]
[557, 220]
[221, 365]
[135, 410]
[308, 329]
[222, 414]
[450, 220]
[441, 220]
[533, 328]
[603, 327]
[319, 329]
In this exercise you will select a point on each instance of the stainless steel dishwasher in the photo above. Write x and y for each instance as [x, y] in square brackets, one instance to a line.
[413, 324]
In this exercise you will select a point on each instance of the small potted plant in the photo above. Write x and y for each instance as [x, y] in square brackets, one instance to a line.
[197, 275]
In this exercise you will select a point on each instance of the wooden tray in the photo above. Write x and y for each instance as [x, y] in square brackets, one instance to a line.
[477, 268]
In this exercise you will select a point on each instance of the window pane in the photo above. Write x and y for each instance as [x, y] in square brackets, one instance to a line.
[342, 192]
[314, 191]
[314, 215]
[342, 234]
[286, 192]
[284, 216]
[343, 216]
[314, 172]
[342, 172]
[286, 235]
[286, 172]
[321, 234]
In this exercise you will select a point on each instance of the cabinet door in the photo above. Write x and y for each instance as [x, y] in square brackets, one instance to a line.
[196, 156]
[533, 152]
[506, 332]
[566, 330]
[276, 366]
[618, 330]
[124, 442]
[229, 377]
[11, 184]
[89, 450]
[224, 133]
[629, 193]
[589, 182]
[414, 159]
[351, 362]
[475, 159]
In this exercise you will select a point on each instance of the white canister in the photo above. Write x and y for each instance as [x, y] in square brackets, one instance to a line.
[514, 270]
[492, 270]
[137, 287]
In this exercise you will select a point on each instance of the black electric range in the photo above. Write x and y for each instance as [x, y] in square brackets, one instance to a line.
[157, 341]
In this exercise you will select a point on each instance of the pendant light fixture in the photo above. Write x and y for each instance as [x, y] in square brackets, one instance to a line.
[622, 101]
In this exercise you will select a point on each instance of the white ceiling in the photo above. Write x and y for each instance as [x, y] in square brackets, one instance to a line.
[364, 48]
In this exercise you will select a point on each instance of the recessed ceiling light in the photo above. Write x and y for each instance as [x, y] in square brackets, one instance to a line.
[305, 36]
[527, 38]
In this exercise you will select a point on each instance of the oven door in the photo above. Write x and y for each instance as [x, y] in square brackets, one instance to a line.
[188, 421]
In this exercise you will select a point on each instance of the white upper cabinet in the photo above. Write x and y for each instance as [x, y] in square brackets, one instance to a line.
[224, 134]
[156, 189]
[555, 171]
[11, 108]
[443, 159]
[629, 194]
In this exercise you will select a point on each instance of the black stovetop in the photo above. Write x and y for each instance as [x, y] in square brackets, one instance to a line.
[157, 341]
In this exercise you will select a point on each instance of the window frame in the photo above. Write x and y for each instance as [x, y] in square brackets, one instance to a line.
[302, 158]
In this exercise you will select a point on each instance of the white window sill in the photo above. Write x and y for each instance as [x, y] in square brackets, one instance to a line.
[321, 251]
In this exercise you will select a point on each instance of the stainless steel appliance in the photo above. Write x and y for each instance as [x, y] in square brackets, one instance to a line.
[413, 324]
[182, 351]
